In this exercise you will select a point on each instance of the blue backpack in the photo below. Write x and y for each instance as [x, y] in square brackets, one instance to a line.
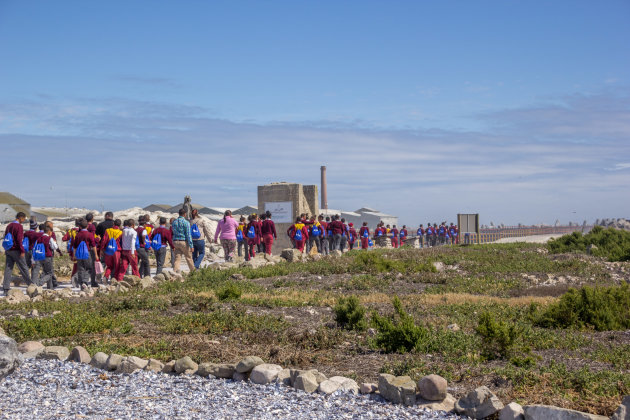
[194, 231]
[442, 230]
[366, 234]
[137, 242]
[379, 233]
[350, 237]
[147, 243]
[297, 235]
[370, 243]
[111, 248]
[39, 251]
[251, 232]
[402, 234]
[419, 232]
[82, 252]
[315, 231]
[26, 243]
[156, 243]
[239, 235]
[7, 242]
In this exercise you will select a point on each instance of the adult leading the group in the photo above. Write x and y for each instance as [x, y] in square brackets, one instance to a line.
[226, 228]
[182, 241]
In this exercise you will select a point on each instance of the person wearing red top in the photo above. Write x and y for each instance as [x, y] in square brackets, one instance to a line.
[68, 237]
[32, 234]
[352, 236]
[453, 231]
[394, 236]
[293, 230]
[166, 239]
[315, 232]
[111, 261]
[15, 254]
[84, 266]
[364, 234]
[260, 245]
[403, 235]
[343, 242]
[336, 227]
[252, 235]
[268, 230]
[92, 229]
[242, 243]
[46, 265]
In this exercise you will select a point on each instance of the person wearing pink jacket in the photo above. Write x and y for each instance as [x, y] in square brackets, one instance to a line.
[226, 228]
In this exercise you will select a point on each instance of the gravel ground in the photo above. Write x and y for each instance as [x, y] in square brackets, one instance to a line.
[43, 389]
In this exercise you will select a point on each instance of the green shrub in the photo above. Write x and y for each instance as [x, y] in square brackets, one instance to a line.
[600, 308]
[398, 333]
[613, 244]
[350, 314]
[498, 337]
[229, 291]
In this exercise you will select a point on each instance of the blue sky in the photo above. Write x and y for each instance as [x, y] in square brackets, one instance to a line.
[517, 110]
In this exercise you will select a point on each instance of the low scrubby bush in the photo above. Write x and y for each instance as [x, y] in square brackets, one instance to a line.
[611, 243]
[398, 333]
[498, 337]
[600, 308]
[229, 291]
[350, 314]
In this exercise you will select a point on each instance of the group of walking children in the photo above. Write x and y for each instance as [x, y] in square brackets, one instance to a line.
[256, 233]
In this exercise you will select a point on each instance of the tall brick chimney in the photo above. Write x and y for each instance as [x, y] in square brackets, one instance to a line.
[324, 192]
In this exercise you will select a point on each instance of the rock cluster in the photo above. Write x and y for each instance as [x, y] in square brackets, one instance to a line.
[614, 223]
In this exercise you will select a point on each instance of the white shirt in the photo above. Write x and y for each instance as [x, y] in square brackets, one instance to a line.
[129, 239]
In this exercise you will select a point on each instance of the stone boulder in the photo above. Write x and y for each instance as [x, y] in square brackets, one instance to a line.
[512, 411]
[160, 278]
[132, 281]
[30, 346]
[547, 412]
[185, 365]
[397, 389]
[247, 364]
[32, 290]
[284, 377]
[169, 367]
[54, 353]
[131, 364]
[16, 296]
[479, 404]
[113, 361]
[99, 360]
[265, 373]
[306, 381]
[154, 365]
[432, 388]
[79, 355]
[338, 383]
[10, 357]
[218, 370]
[291, 255]
[447, 404]
[623, 411]
[368, 388]
[146, 282]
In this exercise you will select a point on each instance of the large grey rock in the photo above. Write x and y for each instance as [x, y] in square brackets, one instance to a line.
[368, 388]
[447, 404]
[512, 411]
[169, 367]
[185, 365]
[291, 255]
[146, 282]
[397, 389]
[133, 281]
[306, 381]
[265, 373]
[432, 388]
[479, 403]
[247, 364]
[32, 290]
[284, 377]
[113, 361]
[79, 355]
[623, 411]
[29, 346]
[10, 357]
[131, 364]
[160, 277]
[54, 353]
[338, 383]
[99, 360]
[220, 370]
[154, 365]
[547, 412]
